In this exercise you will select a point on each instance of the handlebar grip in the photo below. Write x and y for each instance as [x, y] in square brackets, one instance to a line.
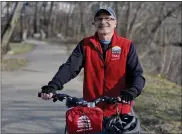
[54, 99]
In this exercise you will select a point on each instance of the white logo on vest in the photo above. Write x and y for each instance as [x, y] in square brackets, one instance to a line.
[116, 52]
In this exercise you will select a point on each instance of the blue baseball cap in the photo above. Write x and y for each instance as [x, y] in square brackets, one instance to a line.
[107, 9]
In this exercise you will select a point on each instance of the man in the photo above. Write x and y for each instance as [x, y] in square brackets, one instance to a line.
[110, 62]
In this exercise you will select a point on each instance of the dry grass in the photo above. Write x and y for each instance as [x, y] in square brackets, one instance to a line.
[20, 48]
[159, 106]
[12, 64]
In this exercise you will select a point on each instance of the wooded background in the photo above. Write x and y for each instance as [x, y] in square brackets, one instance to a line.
[154, 27]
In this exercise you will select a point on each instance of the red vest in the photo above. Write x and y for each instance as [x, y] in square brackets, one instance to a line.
[105, 77]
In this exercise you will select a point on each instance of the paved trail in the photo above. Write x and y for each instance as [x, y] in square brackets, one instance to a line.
[22, 111]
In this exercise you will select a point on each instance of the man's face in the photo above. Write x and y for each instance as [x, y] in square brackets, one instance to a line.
[105, 23]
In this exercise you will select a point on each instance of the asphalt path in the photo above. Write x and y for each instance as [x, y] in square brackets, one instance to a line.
[21, 110]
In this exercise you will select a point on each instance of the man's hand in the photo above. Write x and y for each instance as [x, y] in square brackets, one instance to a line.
[127, 96]
[47, 92]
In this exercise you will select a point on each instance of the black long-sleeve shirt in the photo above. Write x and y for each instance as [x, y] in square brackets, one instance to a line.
[75, 63]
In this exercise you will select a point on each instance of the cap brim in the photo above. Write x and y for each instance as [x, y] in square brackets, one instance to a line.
[101, 10]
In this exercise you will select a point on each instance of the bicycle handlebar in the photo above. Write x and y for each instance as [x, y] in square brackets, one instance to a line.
[78, 101]
[57, 96]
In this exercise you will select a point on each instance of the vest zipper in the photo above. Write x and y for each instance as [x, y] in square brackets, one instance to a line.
[102, 58]
[100, 54]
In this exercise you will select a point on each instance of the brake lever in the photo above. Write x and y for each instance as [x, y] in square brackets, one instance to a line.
[59, 97]
[54, 97]
[110, 99]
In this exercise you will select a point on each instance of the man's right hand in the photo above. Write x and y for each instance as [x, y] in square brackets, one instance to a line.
[47, 92]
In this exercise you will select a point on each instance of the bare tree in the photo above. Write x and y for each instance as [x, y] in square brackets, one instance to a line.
[117, 7]
[37, 17]
[131, 21]
[82, 10]
[8, 12]
[156, 25]
[8, 32]
[44, 12]
[49, 19]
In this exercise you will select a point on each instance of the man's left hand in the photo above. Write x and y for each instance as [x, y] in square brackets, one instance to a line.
[126, 96]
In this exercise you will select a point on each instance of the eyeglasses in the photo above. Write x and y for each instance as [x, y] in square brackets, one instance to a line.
[107, 19]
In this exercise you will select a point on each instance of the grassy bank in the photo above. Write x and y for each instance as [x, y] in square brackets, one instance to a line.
[20, 48]
[159, 106]
[12, 63]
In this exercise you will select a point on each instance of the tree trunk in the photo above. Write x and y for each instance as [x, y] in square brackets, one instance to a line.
[117, 17]
[36, 19]
[21, 24]
[9, 31]
[49, 20]
[82, 19]
[67, 24]
[8, 14]
[128, 19]
[44, 12]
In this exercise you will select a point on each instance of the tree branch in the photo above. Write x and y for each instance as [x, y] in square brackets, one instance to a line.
[135, 16]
